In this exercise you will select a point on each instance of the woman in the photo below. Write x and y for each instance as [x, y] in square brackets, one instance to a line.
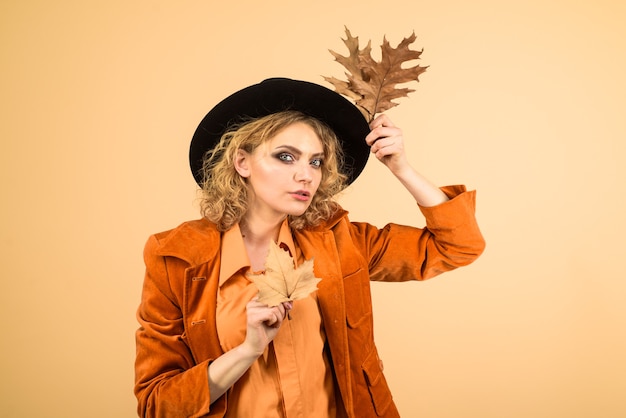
[269, 159]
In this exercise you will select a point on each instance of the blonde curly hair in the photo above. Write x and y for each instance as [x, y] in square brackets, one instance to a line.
[224, 199]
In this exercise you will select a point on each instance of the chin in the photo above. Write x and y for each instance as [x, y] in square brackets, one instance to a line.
[296, 212]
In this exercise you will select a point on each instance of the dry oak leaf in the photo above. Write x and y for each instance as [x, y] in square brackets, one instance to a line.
[372, 84]
[281, 281]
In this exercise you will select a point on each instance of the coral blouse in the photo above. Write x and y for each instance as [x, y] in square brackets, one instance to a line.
[293, 377]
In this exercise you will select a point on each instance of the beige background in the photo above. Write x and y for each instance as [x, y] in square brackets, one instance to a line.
[523, 101]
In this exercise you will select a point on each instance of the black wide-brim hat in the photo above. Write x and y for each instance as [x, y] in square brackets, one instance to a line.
[279, 94]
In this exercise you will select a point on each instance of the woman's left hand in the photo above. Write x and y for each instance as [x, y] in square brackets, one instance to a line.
[387, 144]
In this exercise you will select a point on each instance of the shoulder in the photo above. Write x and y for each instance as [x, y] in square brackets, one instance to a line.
[194, 241]
[340, 217]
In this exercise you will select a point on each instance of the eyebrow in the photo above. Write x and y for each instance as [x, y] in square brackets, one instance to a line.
[297, 151]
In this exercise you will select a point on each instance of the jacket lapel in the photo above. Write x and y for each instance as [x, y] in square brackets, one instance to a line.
[320, 245]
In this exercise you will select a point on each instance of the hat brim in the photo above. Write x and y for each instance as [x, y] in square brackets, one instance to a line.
[279, 94]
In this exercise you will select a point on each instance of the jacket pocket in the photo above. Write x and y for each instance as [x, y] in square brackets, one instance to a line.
[376, 383]
[358, 300]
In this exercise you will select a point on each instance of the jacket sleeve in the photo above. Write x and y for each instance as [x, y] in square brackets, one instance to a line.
[167, 381]
[451, 239]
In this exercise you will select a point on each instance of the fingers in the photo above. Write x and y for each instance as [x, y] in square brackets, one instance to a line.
[273, 319]
[277, 314]
[386, 141]
[270, 316]
[381, 120]
[263, 323]
[385, 147]
[288, 306]
[382, 127]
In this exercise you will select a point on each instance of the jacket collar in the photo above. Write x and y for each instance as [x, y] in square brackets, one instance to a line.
[194, 241]
[330, 222]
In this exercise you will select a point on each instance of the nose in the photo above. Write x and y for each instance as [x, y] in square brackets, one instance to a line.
[304, 173]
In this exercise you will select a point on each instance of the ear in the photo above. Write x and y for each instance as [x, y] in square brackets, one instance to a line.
[242, 159]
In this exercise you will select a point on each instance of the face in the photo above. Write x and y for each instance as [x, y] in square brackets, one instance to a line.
[284, 173]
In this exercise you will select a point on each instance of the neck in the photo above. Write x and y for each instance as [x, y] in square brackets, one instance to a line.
[258, 232]
[257, 235]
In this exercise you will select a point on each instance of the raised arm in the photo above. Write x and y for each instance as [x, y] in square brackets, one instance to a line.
[387, 144]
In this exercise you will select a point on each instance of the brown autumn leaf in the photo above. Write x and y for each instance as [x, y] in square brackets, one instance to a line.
[372, 84]
[282, 282]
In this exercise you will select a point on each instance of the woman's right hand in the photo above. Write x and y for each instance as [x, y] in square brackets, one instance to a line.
[263, 323]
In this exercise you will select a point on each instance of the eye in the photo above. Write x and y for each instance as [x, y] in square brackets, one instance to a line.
[317, 162]
[285, 157]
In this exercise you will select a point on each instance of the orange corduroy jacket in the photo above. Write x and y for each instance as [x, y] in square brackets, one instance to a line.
[177, 338]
